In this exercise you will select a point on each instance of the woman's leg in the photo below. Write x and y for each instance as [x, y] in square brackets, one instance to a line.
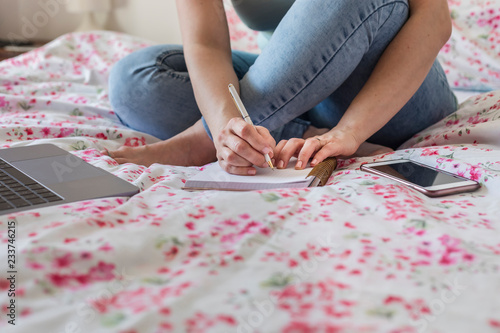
[319, 58]
[150, 91]
[432, 102]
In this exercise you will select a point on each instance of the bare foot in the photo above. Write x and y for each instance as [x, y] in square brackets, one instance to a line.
[192, 147]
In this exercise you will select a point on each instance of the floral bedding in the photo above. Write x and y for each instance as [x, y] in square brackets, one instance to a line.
[471, 58]
[362, 254]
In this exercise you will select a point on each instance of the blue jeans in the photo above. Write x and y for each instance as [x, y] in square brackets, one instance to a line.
[316, 62]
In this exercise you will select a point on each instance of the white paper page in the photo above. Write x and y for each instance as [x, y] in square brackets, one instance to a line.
[214, 173]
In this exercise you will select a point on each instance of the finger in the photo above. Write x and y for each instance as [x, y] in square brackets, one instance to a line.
[237, 170]
[330, 149]
[232, 158]
[277, 162]
[279, 148]
[264, 132]
[242, 148]
[311, 145]
[290, 149]
[250, 134]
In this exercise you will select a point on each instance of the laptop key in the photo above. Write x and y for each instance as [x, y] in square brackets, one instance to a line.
[24, 192]
[35, 186]
[19, 203]
[37, 201]
[44, 192]
[5, 206]
[21, 177]
[53, 198]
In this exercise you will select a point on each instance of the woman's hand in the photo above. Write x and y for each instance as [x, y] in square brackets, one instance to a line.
[240, 145]
[336, 142]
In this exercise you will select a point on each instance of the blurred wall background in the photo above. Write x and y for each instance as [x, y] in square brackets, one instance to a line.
[155, 20]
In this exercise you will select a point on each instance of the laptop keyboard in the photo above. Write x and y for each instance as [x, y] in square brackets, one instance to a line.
[18, 190]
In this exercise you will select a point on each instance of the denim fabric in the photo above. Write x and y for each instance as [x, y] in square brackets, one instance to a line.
[316, 62]
[151, 92]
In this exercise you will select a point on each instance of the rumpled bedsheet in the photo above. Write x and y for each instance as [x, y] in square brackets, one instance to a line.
[362, 254]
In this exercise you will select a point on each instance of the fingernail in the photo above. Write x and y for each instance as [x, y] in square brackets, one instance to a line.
[252, 172]
[267, 150]
[314, 162]
[281, 164]
[299, 165]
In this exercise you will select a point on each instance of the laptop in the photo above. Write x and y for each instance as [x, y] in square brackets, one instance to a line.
[45, 175]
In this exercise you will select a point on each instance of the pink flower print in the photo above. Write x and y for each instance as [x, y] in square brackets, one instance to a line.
[453, 252]
[447, 260]
[475, 173]
[477, 120]
[63, 261]
[424, 252]
[452, 122]
[4, 284]
[59, 280]
[86, 255]
[393, 299]
[495, 323]
[101, 136]
[106, 247]
[3, 102]
[135, 142]
[468, 257]
[65, 132]
[171, 253]
[102, 272]
[34, 265]
[429, 152]
[46, 132]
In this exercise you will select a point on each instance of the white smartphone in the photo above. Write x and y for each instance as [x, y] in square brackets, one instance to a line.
[428, 180]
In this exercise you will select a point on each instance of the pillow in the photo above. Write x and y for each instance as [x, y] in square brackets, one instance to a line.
[471, 58]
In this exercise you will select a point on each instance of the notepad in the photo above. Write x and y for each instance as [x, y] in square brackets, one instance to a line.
[214, 178]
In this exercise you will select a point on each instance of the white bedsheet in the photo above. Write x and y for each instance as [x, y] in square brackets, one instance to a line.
[361, 254]
[463, 95]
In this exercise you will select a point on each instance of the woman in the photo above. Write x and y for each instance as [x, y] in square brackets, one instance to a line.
[334, 74]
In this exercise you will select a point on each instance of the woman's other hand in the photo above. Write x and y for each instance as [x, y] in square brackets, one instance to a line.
[336, 142]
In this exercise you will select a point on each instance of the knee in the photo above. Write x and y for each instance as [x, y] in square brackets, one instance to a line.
[132, 78]
[124, 79]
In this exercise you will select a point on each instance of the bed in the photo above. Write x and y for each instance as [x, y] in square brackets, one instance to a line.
[362, 254]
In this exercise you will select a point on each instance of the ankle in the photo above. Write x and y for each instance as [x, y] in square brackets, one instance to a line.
[198, 145]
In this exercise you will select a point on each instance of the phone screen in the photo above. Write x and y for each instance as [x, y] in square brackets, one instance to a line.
[418, 174]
